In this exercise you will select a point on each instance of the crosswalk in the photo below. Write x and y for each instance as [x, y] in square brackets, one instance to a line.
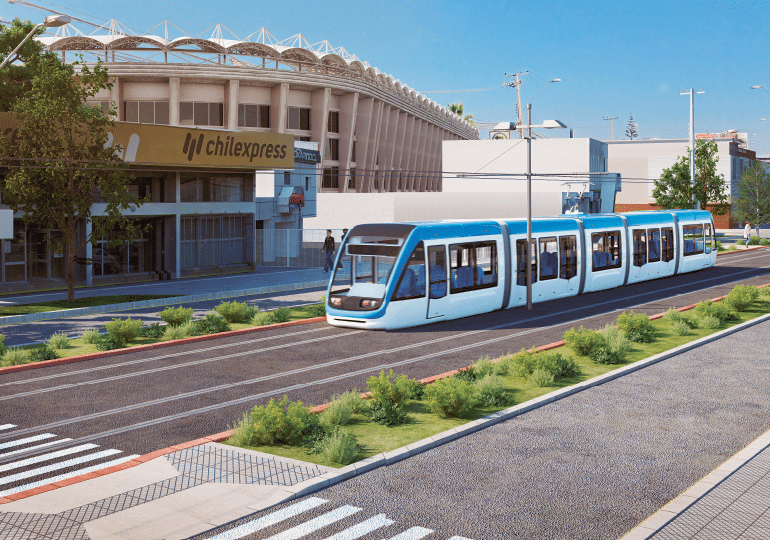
[30, 466]
[314, 525]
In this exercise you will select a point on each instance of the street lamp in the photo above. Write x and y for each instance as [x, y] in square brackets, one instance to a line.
[547, 124]
[51, 21]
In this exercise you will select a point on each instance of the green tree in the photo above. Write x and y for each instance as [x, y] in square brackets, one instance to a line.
[675, 189]
[458, 109]
[61, 165]
[752, 204]
[631, 132]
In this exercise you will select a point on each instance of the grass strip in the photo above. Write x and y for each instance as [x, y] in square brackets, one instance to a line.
[58, 305]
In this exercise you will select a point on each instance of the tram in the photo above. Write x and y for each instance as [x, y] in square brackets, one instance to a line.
[399, 275]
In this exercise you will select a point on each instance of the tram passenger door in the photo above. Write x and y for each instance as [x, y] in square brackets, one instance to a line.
[438, 297]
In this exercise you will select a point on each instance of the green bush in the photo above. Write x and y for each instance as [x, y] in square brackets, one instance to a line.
[637, 326]
[58, 340]
[467, 374]
[582, 341]
[616, 339]
[606, 355]
[451, 397]
[338, 413]
[14, 356]
[719, 246]
[490, 390]
[754, 241]
[176, 316]
[388, 389]
[108, 343]
[674, 315]
[386, 414]
[541, 378]
[90, 336]
[243, 431]
[720, 310]
[710, 322]
[3, 348]
[484, 367]
[154, 331]
[318, 310]
[40, 354]
[283, 422]
[503, 366]
[262, 319]
[742, 297]
[340, 447]
[764, 242]
[174, 332]
[125, 330]
[352, 399]
[740, 242]
[211, 324]
[680, 328]
[190, 329]
[527, 362]
[522, 364]
[236, 312]
[281, 315]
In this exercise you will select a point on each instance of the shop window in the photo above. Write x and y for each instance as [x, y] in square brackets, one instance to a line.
[639, 239]
[298, 118]
[253, 116]
[606, 250]
[212, 241]
[568, 257]
[203, 188]
[333, 122]
[196, 113]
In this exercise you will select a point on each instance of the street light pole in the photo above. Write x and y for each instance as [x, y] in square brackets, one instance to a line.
[51, 21]
[692, 93]
[528, 267]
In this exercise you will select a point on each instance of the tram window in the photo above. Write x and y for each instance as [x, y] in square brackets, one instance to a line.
[667, 235]
[437, 268]
[521, 257]
[412, 282]
[693, 239]
[640, 248]
[709, 238]
[606, 250]
[568, 256]
[549, 258]
[653, 245]
[474, 266]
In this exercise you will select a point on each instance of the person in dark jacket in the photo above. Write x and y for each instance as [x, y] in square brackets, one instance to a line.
[341, 266]
[329, 250]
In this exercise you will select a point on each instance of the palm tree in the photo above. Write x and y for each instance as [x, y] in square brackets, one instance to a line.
[457, 108]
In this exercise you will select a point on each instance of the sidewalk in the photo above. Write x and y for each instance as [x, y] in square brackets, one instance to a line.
[189, 489]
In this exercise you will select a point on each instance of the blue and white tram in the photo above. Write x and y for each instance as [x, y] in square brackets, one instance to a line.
[399, 275]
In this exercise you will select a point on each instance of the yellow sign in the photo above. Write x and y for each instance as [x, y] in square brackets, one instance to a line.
[151, 144]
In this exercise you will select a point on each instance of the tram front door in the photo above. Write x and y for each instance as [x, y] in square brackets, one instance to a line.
[438, 299]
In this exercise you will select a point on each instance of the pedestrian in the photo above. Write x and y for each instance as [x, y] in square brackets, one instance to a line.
[329, 250]
[340, 266]
[747, 233]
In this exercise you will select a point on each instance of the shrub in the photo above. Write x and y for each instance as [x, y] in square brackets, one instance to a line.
[154, 330]
[176, 316]
[283, 422]
[386, 414]
[764, 291]
[338, 413]
[484, 367]
[467, 374]
[710, 322]
[451, 397]
[243, 431]
[90, 336]
[281, 315]
[211, 324]
[680, 328]
[3, 348]
[340, 447]
[125, 330]
[606, 355]
[173, 332]
[503, 366]
[764, 242]
[720, 310]
[108, 343]
[318, 310]
[637, 326]
[582, 341]
[58, 340]
[674, 315]
[190, 329]
[719, 246]
[262, 319]
[541, 377]
[616, 339]
[490, 390]
[522, 364]
[40, 354]
[14, 356]
[754, 241]
[352, 399]
[740, 242]
[236, 312]
[742, 297]
[389, 389]
[527, 362]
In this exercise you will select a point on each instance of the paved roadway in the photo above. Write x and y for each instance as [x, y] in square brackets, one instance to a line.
[142, 401]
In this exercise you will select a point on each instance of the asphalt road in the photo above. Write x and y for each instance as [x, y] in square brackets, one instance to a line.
[143, 401]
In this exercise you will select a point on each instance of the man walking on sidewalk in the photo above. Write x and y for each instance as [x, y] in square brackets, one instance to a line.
[329, 250]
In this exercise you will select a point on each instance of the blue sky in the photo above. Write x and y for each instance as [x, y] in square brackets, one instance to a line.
[615, 58]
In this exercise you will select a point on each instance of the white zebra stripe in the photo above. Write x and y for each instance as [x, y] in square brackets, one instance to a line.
[47, 457]
[318, 523]
[365, 527]
[57, 466]
[7, 426]
[68, 475]
[415, 533]
[459, 538]
[33, 448]
[269, 520]
[19, 442]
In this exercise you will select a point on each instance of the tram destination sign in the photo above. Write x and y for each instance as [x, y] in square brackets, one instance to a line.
[178, 145]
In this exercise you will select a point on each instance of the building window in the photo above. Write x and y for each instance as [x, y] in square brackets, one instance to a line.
[301, 138]
[195, 113]
[253, 116]
[103, 105]
[146, 112]
[332, 150]
[307, 184]
[298, 118]
[333, 123]
[352, 179]
[286, 178]
[331, 178]
[353, 153]
[204, 188]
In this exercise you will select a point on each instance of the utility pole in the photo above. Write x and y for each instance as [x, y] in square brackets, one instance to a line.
[612, 130]
[516, 84]
[692, 93]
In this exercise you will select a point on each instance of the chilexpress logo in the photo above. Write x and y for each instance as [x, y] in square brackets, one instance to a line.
[230, 147]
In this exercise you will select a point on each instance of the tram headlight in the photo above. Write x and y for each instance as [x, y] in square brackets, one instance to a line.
[369, 304]
[335, 301]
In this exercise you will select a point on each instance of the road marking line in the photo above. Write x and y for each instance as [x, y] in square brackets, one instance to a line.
[47, 457]
[7, 426]
[19, 442]
[68, 475]
[315, 524]
[415, 533]
[270, 519]
[365, 527]
[57, 466]
[459, 538]
[30, 448]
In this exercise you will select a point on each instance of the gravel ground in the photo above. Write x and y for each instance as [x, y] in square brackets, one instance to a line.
[591, 466]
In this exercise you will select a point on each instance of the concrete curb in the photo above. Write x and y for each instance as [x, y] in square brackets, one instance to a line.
[159, 302]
